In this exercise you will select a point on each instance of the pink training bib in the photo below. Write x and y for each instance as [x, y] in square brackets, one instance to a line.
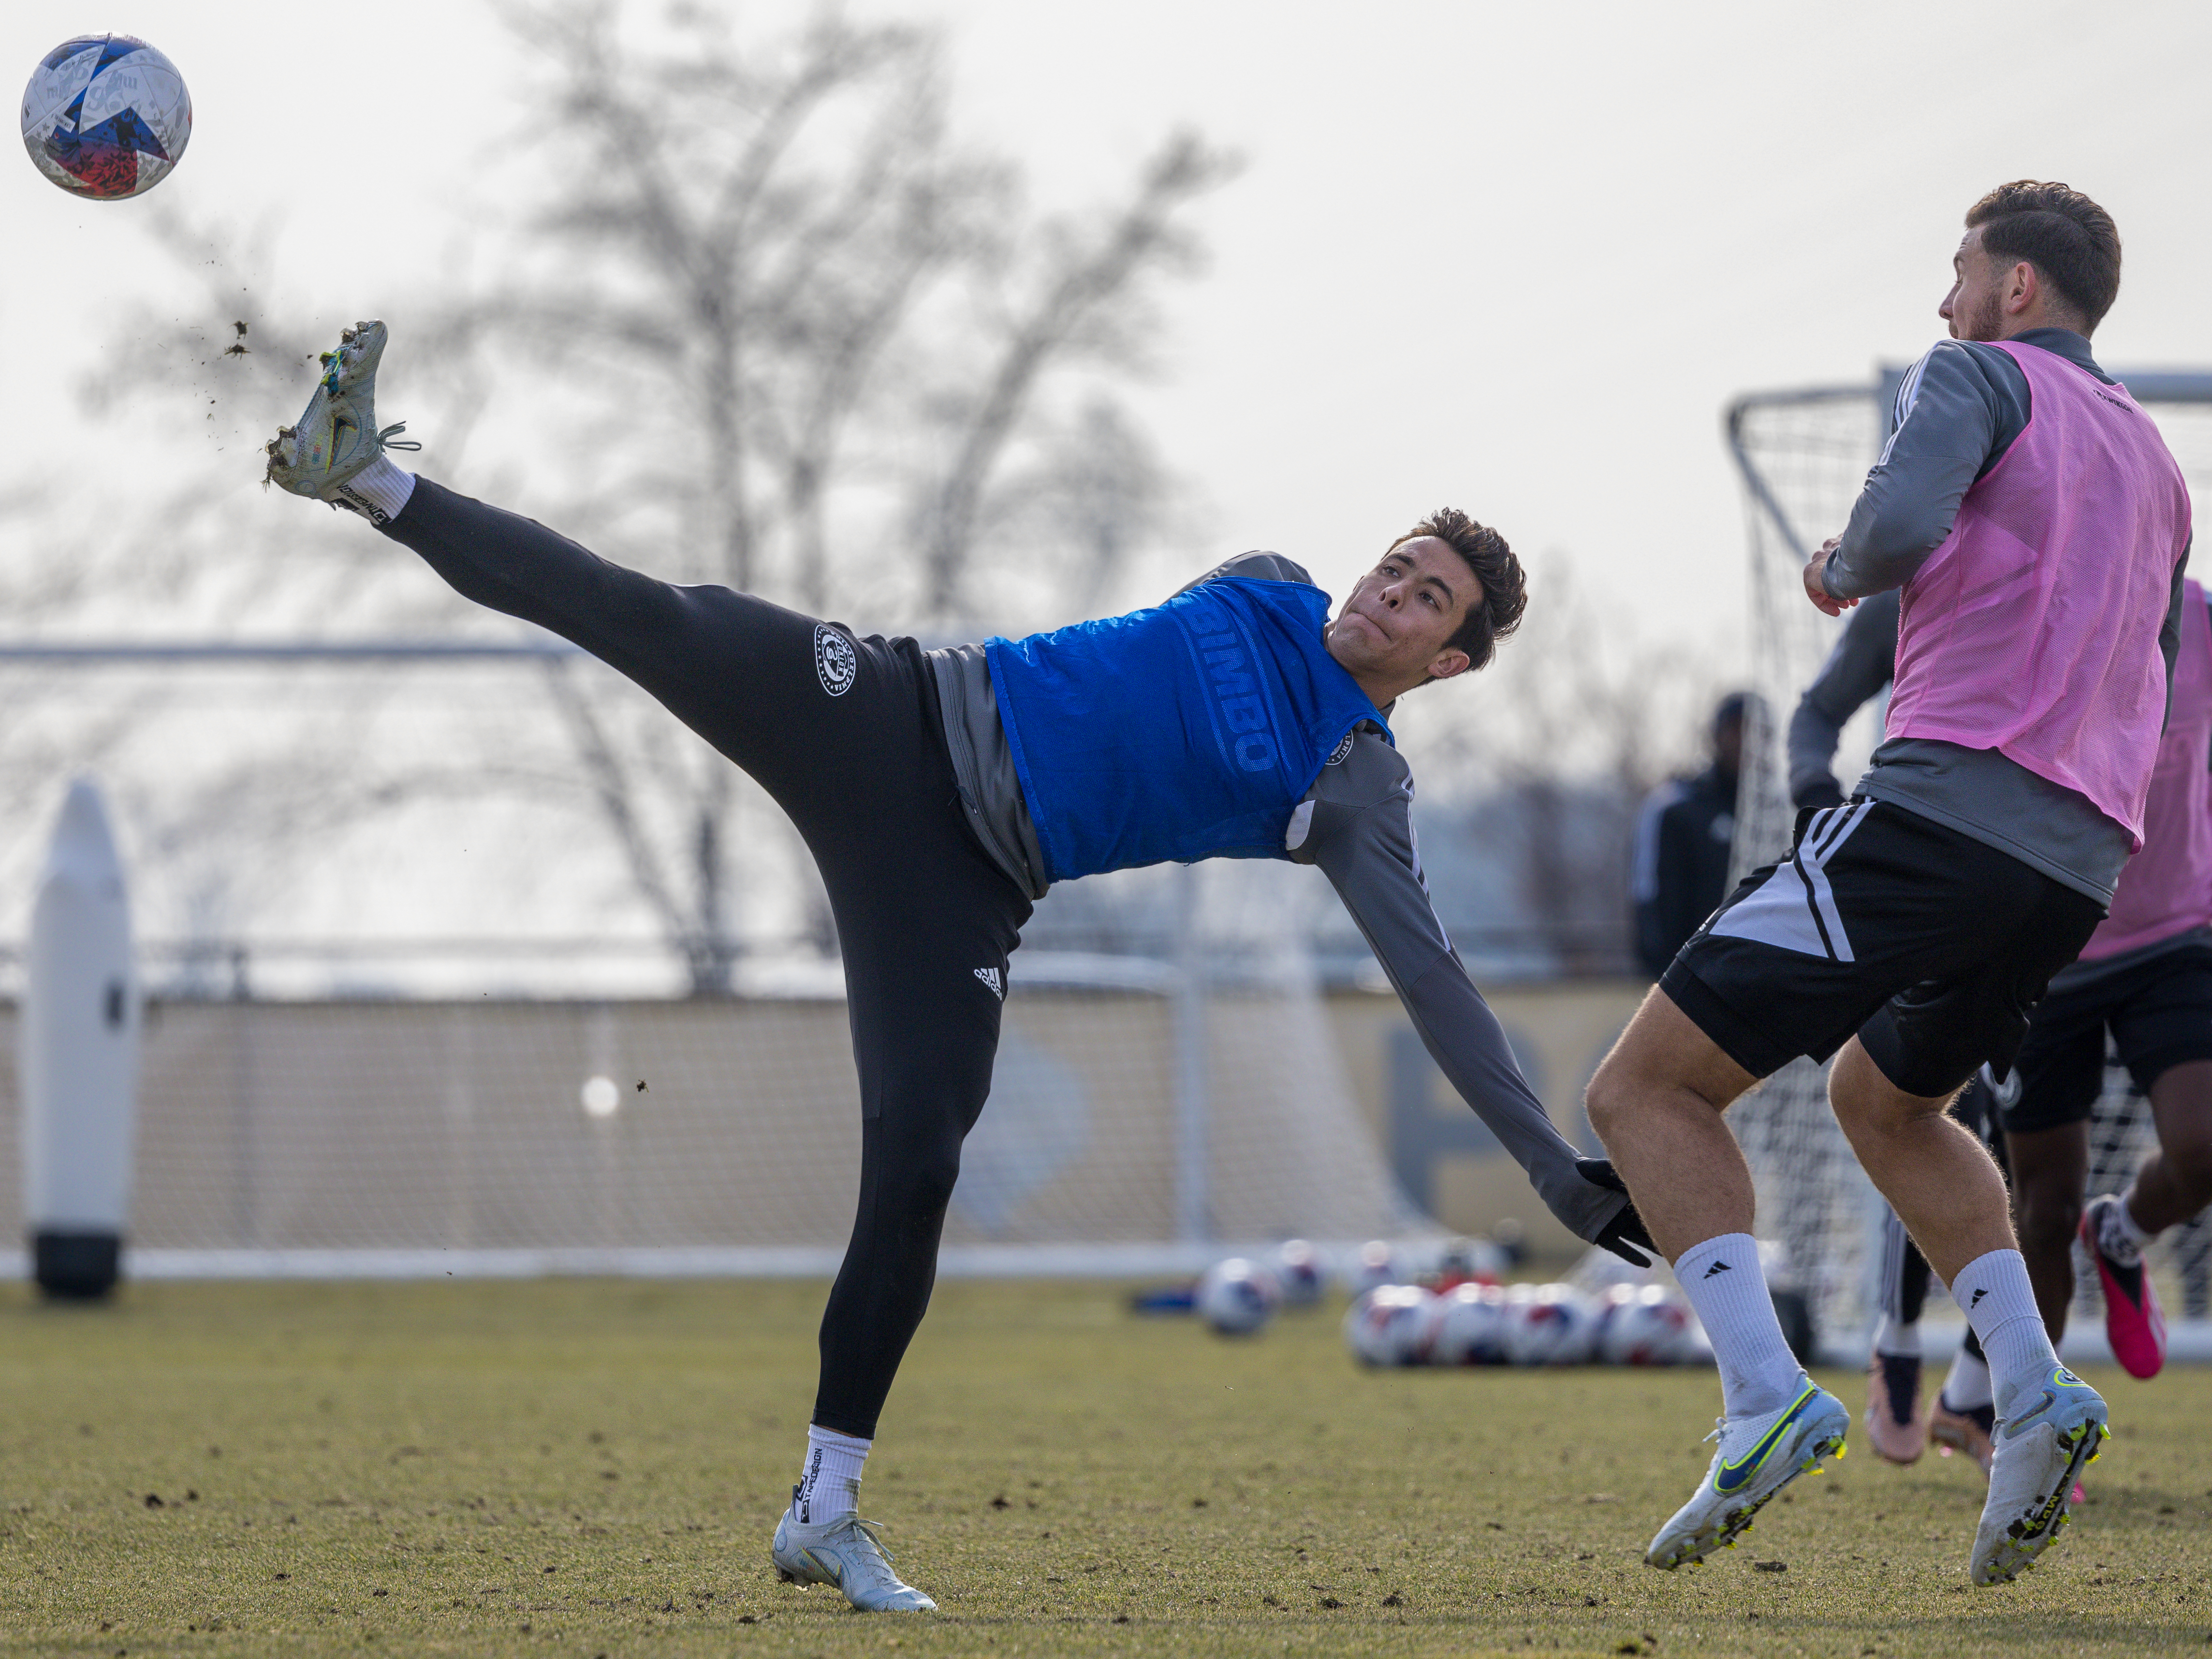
[2167, 887]
[2033, 628]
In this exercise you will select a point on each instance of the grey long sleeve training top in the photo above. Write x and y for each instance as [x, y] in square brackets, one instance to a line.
[1958, 411]
[1356, 825]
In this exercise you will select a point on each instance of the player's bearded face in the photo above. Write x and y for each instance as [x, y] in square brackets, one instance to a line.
[1975, 306]
[1398, 621]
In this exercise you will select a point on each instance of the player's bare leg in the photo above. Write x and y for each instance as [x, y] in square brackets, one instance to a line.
[1946, 1187]
[1942, 1184]
[1657, 1101]
[2049, 1170]
[2173, 1184]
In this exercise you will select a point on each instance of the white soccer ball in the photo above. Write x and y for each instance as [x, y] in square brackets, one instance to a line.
[1390, 1325]
[1379, 1264]
[1469, 1326]
[1548, 1325]
[1298, 1270]
[1646, 1326]
[105, 116]
[1238, 1297]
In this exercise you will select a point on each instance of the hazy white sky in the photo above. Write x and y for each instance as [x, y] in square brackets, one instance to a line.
[1512, 257]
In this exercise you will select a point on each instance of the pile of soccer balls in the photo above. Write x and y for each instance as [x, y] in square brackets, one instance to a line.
[1478, 1324]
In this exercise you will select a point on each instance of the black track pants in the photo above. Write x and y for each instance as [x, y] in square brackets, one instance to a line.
[844, 734]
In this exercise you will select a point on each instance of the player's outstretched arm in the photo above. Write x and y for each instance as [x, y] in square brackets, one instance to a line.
[1360, 835]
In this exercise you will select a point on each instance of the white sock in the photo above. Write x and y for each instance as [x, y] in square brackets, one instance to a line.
[383, 486]
[1723, 1280]
[2000, 1305]
[2121, 1235]
[1897, 1339]
[1968, 1384]
[829, 1480]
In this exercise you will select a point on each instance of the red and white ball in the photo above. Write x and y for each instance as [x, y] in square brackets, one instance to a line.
[1469, 1326]
[107, 116]
[1390, 1325]
[1548, 1325]
[1238, 1297]
[1646, 1326]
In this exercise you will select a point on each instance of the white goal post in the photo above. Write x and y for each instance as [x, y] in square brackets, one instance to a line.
[1801, 456]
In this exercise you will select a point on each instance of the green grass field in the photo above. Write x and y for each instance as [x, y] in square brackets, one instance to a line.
[593, 1468]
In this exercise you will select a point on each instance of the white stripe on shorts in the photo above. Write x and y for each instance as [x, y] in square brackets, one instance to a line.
[1794, 907]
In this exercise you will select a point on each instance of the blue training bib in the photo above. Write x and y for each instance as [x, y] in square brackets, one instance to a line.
[1187, 732]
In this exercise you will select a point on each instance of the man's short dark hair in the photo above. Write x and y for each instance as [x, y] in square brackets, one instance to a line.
[2067, 237]
[1504, 588]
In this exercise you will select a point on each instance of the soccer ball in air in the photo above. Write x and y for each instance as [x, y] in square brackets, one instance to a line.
[1548, 1325]
[1391, 1325]
[1238, 1297]
[1644, 1326]
[1469, 1326]
[1298, 1269]
[105, 116]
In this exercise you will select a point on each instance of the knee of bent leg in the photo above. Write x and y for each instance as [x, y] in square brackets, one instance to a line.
[921, 1182]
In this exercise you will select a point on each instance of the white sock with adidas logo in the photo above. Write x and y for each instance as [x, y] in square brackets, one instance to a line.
[1722, 1278]
[2000, 1305]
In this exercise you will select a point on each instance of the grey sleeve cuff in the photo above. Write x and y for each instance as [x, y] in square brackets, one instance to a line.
[1948, 415]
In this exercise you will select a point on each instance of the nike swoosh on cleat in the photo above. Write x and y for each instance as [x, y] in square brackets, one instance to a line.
[2013, 1426]
[830, 1571]
[1730, 1477]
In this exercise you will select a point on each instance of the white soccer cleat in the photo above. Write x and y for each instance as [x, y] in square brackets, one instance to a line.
[849, 1553]
[337, 435]
[1758, 1457]
[2046, 1435]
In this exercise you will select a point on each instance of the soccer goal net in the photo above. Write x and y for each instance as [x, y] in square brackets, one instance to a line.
[352, 1095]
[1801, 456]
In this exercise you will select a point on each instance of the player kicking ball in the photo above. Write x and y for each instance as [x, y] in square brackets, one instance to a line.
[942, 792]
[1912, 927]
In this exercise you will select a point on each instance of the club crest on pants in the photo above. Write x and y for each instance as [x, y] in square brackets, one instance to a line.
[835, 660]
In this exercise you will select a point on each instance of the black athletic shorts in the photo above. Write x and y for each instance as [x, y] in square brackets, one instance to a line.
[1928, 944]
[2160, 1014]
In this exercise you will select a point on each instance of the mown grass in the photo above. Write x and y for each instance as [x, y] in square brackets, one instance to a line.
[592, 1467]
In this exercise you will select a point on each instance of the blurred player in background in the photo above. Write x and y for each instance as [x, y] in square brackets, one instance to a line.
[2145, 976]
[1678, 873]
[2037, 527]
[941, 793]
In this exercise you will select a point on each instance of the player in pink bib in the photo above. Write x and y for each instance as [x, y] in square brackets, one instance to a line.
[2036, 525]
[2145, 977]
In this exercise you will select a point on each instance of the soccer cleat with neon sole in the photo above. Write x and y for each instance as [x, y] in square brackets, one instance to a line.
[848, 1553]
[2048, 1433]
[1758, 1457]
[1895, 1426]
[2134, 1322]
[337, 434]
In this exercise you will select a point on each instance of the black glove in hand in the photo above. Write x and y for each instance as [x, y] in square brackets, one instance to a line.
[1626, 1235]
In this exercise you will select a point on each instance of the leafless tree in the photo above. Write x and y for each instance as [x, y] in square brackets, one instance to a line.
[816, 347]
